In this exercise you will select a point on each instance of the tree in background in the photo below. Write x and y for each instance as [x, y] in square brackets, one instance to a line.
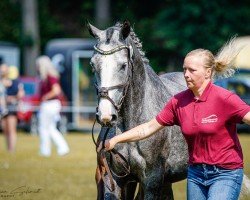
[102, 12]
[30, 27]
[10, 21]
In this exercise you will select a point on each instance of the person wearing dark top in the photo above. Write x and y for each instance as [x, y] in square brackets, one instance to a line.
[11, 92]
[50, 107]
[14, 92]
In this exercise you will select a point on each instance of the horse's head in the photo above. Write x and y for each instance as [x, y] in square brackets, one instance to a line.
[111, 63]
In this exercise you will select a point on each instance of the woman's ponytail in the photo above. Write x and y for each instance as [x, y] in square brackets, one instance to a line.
[225, 59]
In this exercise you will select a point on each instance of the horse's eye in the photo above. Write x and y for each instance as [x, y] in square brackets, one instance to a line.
[92, 66]
[123, 66]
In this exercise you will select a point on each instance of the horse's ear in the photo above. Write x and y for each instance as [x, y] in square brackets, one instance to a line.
[125, 29]
[95, 32]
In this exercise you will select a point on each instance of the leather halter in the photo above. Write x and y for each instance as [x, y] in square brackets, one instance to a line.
[119, 48]
[103, 91]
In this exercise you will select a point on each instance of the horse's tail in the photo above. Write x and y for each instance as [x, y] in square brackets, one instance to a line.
[245, 190]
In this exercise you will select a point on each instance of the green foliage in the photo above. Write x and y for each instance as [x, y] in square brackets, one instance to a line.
[86, 14]
[184, 26]
[50, 27]
[10, 21]
[64, 18]
[170, 29]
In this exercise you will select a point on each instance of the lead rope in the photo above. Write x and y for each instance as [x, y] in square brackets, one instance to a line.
[113, 153]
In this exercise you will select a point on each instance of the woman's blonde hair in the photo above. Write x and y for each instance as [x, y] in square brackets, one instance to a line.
[222, 64]
[46, 67]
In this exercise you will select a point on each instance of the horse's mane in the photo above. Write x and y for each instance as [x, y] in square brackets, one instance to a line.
[137, 42]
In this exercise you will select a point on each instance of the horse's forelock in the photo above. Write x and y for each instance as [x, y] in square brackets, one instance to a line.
[137, 43]
[109, 34]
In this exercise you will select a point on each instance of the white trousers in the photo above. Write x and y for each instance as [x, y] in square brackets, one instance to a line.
[48, 117]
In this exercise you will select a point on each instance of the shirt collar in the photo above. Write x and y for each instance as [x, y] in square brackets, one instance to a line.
[205, 93]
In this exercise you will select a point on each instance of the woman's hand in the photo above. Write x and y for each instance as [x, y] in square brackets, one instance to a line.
[110, 144]
[11, 99]
[44, 98]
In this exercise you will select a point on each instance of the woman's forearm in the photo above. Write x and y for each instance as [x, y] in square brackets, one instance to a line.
[139, 133]
[21, 92]
[246, 118]
[135, 134]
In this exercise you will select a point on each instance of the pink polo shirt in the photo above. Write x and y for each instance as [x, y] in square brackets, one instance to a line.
[208, 125]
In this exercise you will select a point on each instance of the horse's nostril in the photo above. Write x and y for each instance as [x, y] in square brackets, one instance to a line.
[114, 118]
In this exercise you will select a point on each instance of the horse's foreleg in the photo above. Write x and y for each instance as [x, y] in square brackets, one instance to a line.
[128, 192]
[99, 184]
[166, 191]
[155, 188]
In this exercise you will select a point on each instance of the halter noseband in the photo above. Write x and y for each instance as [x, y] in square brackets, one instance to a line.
[103, 91]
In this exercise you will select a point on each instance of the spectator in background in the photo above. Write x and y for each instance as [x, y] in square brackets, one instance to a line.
[3, 106]
[50, 107]
[14, 92]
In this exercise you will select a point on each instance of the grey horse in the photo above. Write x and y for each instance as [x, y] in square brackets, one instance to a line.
[131, 93]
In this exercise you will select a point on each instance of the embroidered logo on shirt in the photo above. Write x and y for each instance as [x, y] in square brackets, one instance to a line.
[210, 119]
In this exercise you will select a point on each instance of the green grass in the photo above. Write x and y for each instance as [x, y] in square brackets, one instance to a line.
[68, 178]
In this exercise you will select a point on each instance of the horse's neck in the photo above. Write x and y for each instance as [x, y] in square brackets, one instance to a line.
[145, 98]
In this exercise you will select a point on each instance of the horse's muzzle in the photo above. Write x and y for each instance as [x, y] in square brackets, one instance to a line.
[109, 120]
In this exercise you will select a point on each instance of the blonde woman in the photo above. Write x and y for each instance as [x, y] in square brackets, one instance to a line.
[50, 108]
[13, 93]
[207, 115]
